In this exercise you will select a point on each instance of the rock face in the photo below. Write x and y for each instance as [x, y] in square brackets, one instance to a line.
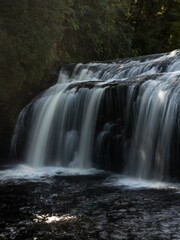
[121, 116]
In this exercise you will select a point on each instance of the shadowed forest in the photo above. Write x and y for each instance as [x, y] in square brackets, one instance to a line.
[38, 36]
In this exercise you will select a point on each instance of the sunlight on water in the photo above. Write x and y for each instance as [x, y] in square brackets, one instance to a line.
[162, 95]
[173, 53]
[54, 219]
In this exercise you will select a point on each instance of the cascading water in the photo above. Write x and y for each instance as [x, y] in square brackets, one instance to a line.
[63, 125]
[120, 116]
[157, 113]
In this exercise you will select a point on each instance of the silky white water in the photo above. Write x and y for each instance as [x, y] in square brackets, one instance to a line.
[157, 112]
[119, 116]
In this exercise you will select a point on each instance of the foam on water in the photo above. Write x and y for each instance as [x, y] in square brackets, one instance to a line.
[138, 183]
[28, 173]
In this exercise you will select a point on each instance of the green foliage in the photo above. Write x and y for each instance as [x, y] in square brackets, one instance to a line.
[156, 25]
[36, 33]
[96, 30]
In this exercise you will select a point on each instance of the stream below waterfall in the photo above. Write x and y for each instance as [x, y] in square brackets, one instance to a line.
[58, 203]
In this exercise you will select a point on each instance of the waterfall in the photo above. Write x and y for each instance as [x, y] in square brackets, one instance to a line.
[63, 126]
[157, 111]
[122, 116]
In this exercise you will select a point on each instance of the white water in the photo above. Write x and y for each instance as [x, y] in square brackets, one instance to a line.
[63, 125]
[85, 153]
[23, 173]
[156, 111]
[64, 118]
[139, 183]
